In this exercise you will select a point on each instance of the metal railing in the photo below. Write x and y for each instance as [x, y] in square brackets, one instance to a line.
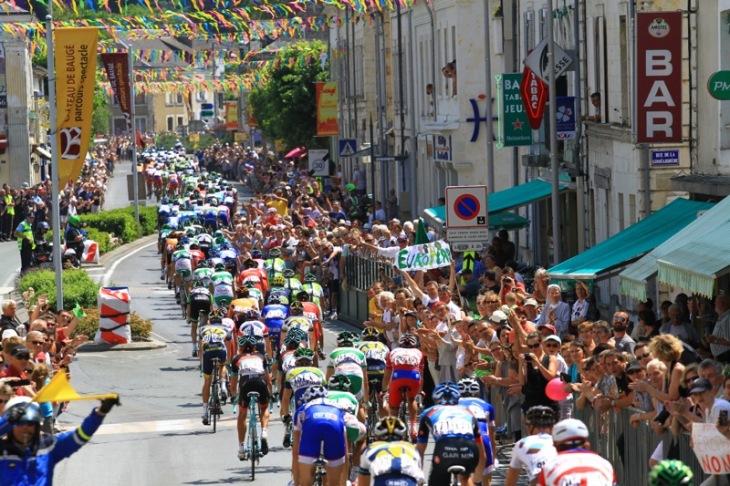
[361, 272]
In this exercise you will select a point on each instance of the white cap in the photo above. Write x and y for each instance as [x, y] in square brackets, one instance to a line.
[498, 316]
[8, 333]
[530, 301]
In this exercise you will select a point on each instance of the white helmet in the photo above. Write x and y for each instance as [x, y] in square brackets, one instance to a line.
[570, 430]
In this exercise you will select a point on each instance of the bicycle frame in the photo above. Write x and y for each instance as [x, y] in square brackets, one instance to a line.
[254, 441]
[214, 400]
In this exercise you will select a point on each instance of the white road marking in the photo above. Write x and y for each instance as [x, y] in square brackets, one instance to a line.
[108, 275]
[175, 425]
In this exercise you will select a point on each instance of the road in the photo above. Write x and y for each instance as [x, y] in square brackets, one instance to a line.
[156, 436]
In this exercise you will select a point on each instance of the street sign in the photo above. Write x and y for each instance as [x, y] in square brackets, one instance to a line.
[534, 95]
[207, 106]
[565, 117]
[664, 158]
[514, 120]
[466, 214]
[348, 147]
[206, 113]
[718, 85]
[538, 61]
[319, 162]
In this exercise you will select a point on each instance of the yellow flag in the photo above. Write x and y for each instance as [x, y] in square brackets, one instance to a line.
[60, 390]
[75, 66]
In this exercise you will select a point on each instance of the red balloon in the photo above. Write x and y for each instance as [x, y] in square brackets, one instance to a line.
[555, 390]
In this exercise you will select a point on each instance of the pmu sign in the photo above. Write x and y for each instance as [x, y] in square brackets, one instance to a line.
[534, 94]
[659, 77]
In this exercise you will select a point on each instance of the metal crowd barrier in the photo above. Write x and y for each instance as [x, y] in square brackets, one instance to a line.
[360, 273]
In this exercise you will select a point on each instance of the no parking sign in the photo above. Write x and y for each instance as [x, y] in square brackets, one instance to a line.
[466, 214]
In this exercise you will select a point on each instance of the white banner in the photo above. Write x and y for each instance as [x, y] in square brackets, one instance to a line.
[711, 448]
[424, 257]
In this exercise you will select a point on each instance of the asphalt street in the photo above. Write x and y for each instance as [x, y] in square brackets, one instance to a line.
[156, 437]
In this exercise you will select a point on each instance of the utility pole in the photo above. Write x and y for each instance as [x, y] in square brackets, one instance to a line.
[554, 165]
[488, 88]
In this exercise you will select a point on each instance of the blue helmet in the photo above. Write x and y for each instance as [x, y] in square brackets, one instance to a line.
[446, 393]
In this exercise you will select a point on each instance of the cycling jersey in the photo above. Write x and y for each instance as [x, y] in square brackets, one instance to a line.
[239, 306]
[294, 284]
[280, 292]
[407, 365]
[297, 322]
[257, 329]
[392, 460]
[532, 452]
[221, 276]
[311, 311]
[351, 363]
[347, 402]
[251, 370]
[213, 338]
[288, 361]
[199, 300]
[256, 295]
[577, 467]
[222, 295]
[183, 264]
[197, 257]
[484, 413]
[301, 378]
[376, 355]
[274, 316]
[274, 266]
[257, 276]
[203, 275]
[315, 291]
[321, 425]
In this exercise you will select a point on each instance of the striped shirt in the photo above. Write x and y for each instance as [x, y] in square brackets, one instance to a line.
[577, 467]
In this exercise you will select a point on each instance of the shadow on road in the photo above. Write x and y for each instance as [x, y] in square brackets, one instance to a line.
[184, 368]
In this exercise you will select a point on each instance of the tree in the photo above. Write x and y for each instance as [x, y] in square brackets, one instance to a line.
[102, 112]
[284, 106]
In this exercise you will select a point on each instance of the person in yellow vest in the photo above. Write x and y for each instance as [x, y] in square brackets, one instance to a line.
[8, 213]
[26, 242]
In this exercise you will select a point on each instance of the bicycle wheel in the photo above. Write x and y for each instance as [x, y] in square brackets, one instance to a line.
[214, 398]
[253, 439]
[184, 301]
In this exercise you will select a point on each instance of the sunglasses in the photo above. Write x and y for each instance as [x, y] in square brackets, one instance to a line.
[492, 301]
[3, 401]
[38, 343]
[642, 356]
[533, 346]
[23, 357]
[632, 372]
[619, 319]
[552, 345]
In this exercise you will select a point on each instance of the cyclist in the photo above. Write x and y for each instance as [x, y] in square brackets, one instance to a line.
[183, 261]
[456, 433]
[250, 373]
[319, 427]
[242, 303]
[296, 320]
[484, 413]
[575, 462]
[671, 472]
[347, 360]
[258, 257]
[203, 273]
[196, 253]
[376, 356]
[212, 340]
[287, 360]
[278, 288]
[530, 453]
[252, 273]
[338, 387]
[274, 264]
[391, 460]
[312, 311]
[255, 294]
[314, 289]
[298, 379]
[249, 324]
[292, 282]
[404, 369]
[274, 315]
[222, 286]
[199, 300]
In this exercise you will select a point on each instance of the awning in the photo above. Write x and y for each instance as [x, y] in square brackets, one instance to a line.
[631, 243]
[510, 221]
[635, 276]
[695, 266]
[295, 153]
[521, 195]
[43, 153]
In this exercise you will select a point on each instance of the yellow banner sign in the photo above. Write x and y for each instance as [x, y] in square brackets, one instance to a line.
[231, 115]
[240, 137]
[326, 96]
[75, 66]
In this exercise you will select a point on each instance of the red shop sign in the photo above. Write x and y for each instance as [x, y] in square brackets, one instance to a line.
[534, 95]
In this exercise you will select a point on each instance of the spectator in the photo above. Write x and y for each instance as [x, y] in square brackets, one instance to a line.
[536, 369]
[719, 340]
[8, 319]
[679, 328]
[555, 312]
[622, 341]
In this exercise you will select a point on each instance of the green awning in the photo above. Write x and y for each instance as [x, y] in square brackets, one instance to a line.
[510, 221]
[521, 195]
[695, 266]
[631, 243]
[635, 276]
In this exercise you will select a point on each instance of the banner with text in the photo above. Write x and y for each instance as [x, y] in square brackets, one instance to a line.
[515, 127]
[711, 448]
[565, 117]
[659, 77]
[326, 96]
[232, 115]
[116, 65]
[75, 67]
[424, 257]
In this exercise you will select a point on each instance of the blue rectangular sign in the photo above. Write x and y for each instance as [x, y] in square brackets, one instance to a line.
[565, 115]
[664, 158]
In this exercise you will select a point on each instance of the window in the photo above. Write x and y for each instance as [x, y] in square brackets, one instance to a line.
[201, 96]
[180, 100]
[359, 74]
[180, 121]
[529, 41]
[400, 105]
[169, 99]
[140, 99]
[621, 216]
[170, 123]
[596, 63]
[625, 71]
[632, 209]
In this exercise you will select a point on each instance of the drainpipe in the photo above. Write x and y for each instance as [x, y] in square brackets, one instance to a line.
[414, 141]
[488, 88]
[434, 98]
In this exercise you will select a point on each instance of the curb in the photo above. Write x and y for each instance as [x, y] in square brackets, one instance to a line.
[117, 252]
[92, 347]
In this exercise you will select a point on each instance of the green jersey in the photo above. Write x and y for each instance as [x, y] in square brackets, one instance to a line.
[347, 402]
[343, 355]
[350, 362]
[222, 277]
[315, 291]
[203, 275]
[177, 255]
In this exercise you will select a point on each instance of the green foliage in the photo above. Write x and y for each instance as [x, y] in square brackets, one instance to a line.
[147, 218]
[141, 328]
[117, 222]
[285, 107]
[78, 288]
[102, 112]
[102, 238]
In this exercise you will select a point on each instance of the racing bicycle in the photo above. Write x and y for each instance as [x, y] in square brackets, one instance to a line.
[372, 411]
[214, 400]
[455, 472]
[253, 438]
[320, 471]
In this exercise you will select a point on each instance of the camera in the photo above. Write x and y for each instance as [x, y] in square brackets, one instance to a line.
[528, 358]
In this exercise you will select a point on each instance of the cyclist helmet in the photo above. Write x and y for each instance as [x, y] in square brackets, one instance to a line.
[339, 383]
[469, 387]
[288, 273]
[390, 429]
[302, 296]
[256, 254]
[274, 253]
[446, 393]
[247, 343]
[313, 393]
[408, 341]
[370, 334]
[250, 263]
[32, 410]
[296, 308]
[278, 281]
[303, 356]
[251, 314]
[220, 266]
[541, 416]
[274, 299]
[190, 232]
[345, 339]
[163, 201]
[310, 277]
[670, 472]
[199, 283]
[298, 333]
[570, 431]
[203, 264]
[242, 292]
[292, 341]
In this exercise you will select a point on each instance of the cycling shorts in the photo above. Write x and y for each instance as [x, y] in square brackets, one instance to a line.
[412, 383]
[196, 307]
[257, 385]
[489, 464]
[453, 451]
[173, 184]
[394, 480]
[208, 357]
[315, 433]
[375, 382]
